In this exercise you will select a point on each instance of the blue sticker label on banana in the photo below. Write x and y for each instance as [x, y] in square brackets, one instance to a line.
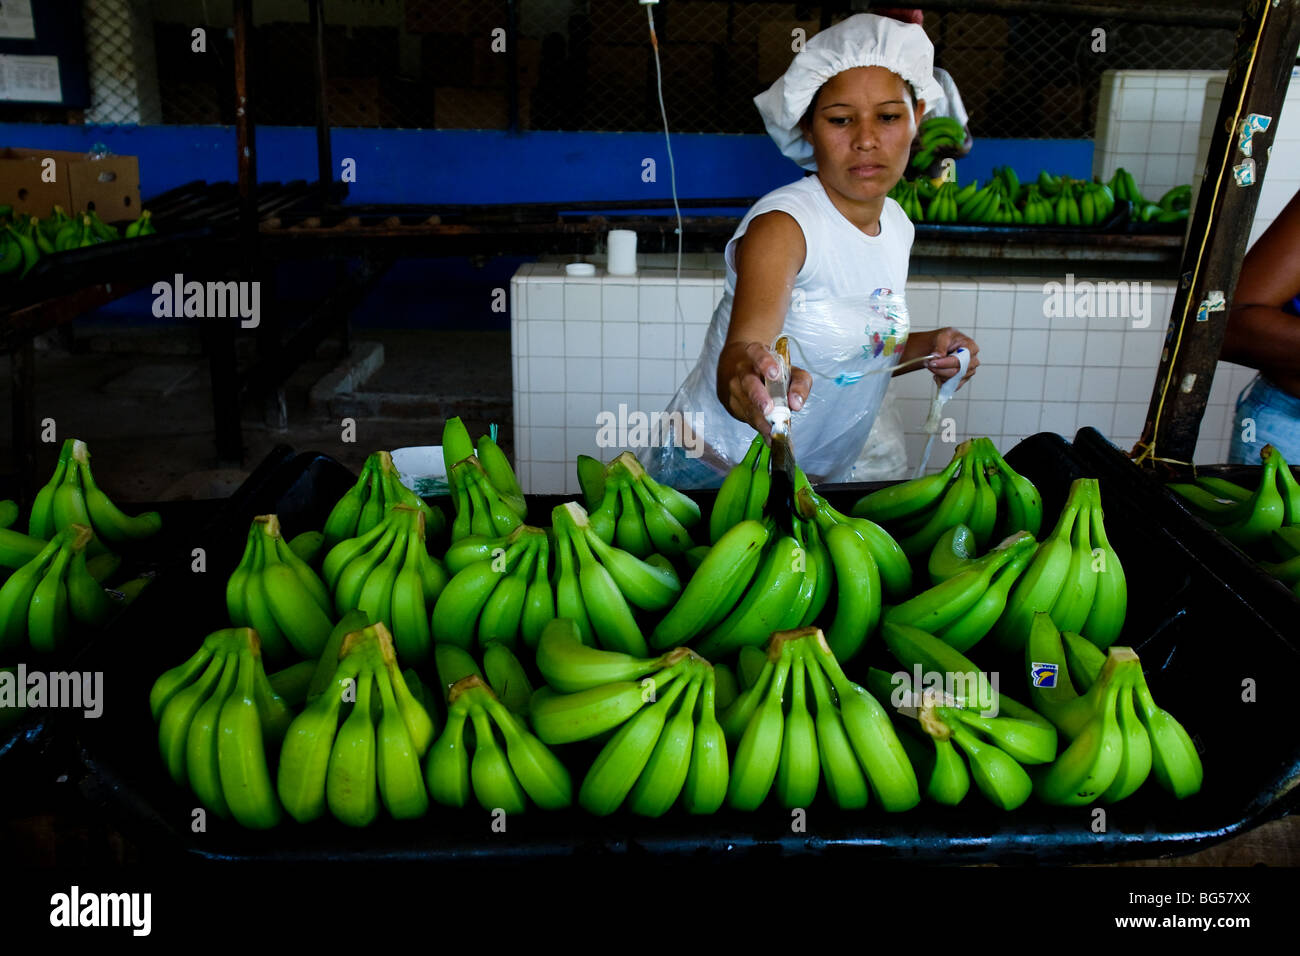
[1043, 675]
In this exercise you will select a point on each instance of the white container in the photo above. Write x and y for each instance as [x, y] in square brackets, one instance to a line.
[622, 252]
[422, 469]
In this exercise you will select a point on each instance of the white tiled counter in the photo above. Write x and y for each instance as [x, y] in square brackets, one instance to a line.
[583, 346]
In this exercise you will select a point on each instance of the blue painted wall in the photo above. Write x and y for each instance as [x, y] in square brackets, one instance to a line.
[478, 166]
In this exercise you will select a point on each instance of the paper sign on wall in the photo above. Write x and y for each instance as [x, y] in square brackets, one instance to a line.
[31, 79]
[16, 21]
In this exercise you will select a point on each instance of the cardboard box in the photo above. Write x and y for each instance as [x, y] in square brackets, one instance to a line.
[109, 186]
[627, 67]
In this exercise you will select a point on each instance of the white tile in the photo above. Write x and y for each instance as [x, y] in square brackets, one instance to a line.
[582, 375]
[923, 307]
[959, 306]
[1064, 382]
[1020, 420]
[1104, 348]
[619, 339]
[1097, 415]
[582, 302]
[1166, 138]
[544, 338]
[1220, 388]
[1135, 385]
[695, 336]
[913, 411]
[583, 339]
[996, 310]
[1132, 137]
[983, 417]
[1129, 417]
[1065, 348]
[1059, 417]
[1031, 310]
[546, 374]
[1025, 384]
[549, 478]
[545, 301]
[1207, 450]
[1215, 422]
[548, 444]
[655, 303]
[657, 375]
[697, 304]
[995, 345]
[618, 302]
[989, 382]
[546, 409]
[611, 402]
[656, 340]
[524, 472]
[1029, 347]
[581, 441]
[1096, 384]
[620, 374]
[1161, 172]
[915, 384]
[581, 409]
[1169, 103]
[1142, 348]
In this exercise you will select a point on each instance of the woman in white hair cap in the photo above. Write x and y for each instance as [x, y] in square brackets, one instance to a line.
[805, 258]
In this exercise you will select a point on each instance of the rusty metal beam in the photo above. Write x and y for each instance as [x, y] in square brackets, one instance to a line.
[1267, 39]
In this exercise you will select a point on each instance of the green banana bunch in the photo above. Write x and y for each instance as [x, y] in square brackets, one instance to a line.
[977, 488]
[962, 608]
[939, 729]
[510, 766]
[943, 205]
[372, 754]
[16, 548]
[1067, 211]
[1174, 760]
[849, 739]
[140, 227]
[937, 132]
[1110, 753]
[1076, 583]
[503, 596]
[731, 506]
[8, 512]
[71, 496]
[669, 746]
[716, 587]
[891, 562]
[277, 593]
[218, 716]
[24, 241]
[480, 508]
[1123, 188]
[1038, 210]
[366, 503]
[1248, 522]
[500, 473]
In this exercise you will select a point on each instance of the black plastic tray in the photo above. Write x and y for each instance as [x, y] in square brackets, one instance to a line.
[1180, 614]
[185, 525]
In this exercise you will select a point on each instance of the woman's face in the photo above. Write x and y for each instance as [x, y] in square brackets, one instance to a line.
[862, 131]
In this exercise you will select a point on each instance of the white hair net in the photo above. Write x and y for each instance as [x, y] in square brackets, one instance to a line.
[861, 40]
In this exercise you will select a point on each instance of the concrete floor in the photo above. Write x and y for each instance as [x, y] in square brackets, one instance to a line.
[142, 402]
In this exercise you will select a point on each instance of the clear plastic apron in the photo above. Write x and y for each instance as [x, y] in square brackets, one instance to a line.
[848, 344]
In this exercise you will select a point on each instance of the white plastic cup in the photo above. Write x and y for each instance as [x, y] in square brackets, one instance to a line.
[622, 253]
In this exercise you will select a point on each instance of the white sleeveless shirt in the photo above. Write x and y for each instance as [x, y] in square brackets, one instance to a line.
[834, 336]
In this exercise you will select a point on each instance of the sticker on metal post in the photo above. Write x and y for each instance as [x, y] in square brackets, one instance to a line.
[1213, 302]
[1244, 174]
[1252, 124]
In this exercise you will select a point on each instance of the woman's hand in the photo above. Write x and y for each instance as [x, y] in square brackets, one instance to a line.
[948, 340]
[744, 369]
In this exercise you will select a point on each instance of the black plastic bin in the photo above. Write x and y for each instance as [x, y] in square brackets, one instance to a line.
[1198, 641]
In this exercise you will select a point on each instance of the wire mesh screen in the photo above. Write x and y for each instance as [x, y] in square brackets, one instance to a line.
[589, 64]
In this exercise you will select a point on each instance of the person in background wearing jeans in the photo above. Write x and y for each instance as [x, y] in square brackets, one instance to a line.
[1263, 333]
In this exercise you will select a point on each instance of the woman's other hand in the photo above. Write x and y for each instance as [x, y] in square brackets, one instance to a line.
[948, 340]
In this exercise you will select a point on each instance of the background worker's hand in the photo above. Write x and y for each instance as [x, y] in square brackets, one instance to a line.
[744, 370]
[948, 340]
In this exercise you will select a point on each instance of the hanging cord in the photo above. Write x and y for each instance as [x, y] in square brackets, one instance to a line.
[679, 322]
[1149, 449]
